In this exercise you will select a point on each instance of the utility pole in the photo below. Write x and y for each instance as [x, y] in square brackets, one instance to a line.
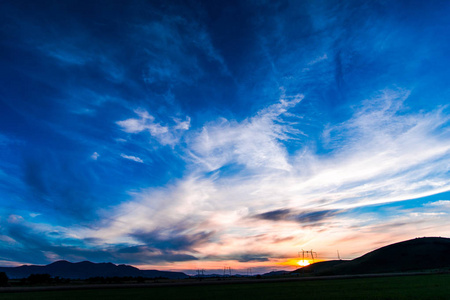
[303, 254]
[312, 255]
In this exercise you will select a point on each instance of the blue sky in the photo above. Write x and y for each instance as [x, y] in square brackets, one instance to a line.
[183, 135]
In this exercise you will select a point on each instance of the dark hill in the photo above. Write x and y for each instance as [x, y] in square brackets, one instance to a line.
[86, 269]
[412, 255]
[276, 273]
[320, 267]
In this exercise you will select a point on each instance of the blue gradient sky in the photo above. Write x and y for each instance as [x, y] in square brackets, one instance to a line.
[197, 134]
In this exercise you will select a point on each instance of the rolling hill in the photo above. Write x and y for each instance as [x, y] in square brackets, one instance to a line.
[418, 254]
[86, 269]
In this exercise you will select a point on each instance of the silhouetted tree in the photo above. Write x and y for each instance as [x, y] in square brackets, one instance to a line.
[3, 279]
[39, 278]
[97, 279]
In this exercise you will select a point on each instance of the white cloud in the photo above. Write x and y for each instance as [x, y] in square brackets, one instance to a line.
[318, 59]
[389, 154]
[381, 154]
[133, 125]
[254, 142]
[15, 219]
[95, 156]
[440, 204]
[183, 125]
[164, 134]
[133, 158]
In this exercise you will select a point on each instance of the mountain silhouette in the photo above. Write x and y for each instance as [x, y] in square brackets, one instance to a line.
[86, 269]
[418, 254]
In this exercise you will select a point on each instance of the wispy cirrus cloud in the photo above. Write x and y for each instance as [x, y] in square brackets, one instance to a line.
[371, 160]
[164, 134]
[318, 59]
[256, 142]
[171, 59]
[308, 199]
[133, 158]
[440, 204]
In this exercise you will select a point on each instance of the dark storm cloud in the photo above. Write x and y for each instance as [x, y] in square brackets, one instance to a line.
[275, 215]
[35, 247]
[315, 216]
[302, 217]
[26, 236]
[175, 240]
[251, 257]
[144, 254]
[243, 257]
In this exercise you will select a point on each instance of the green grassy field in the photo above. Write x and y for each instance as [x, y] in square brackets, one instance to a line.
[402, 287]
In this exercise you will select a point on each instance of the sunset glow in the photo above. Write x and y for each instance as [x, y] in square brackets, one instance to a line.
[303, 263]
[295, 263]
[191, 135]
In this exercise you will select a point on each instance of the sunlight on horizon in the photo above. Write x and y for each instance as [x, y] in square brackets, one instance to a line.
[303, 263]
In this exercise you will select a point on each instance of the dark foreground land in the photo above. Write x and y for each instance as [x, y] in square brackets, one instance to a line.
[435, 286]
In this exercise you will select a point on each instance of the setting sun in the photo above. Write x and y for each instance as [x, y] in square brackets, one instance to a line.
[303, 263]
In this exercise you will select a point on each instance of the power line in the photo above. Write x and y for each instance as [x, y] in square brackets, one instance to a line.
[308, 253]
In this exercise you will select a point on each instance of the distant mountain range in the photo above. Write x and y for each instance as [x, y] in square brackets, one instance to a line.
[419, 254]
[86, 269]
[276, 273]
[430, 253]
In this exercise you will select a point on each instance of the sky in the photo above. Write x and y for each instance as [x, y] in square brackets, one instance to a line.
[185, 135]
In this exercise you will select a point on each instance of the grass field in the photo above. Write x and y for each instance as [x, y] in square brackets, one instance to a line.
[402, 287]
